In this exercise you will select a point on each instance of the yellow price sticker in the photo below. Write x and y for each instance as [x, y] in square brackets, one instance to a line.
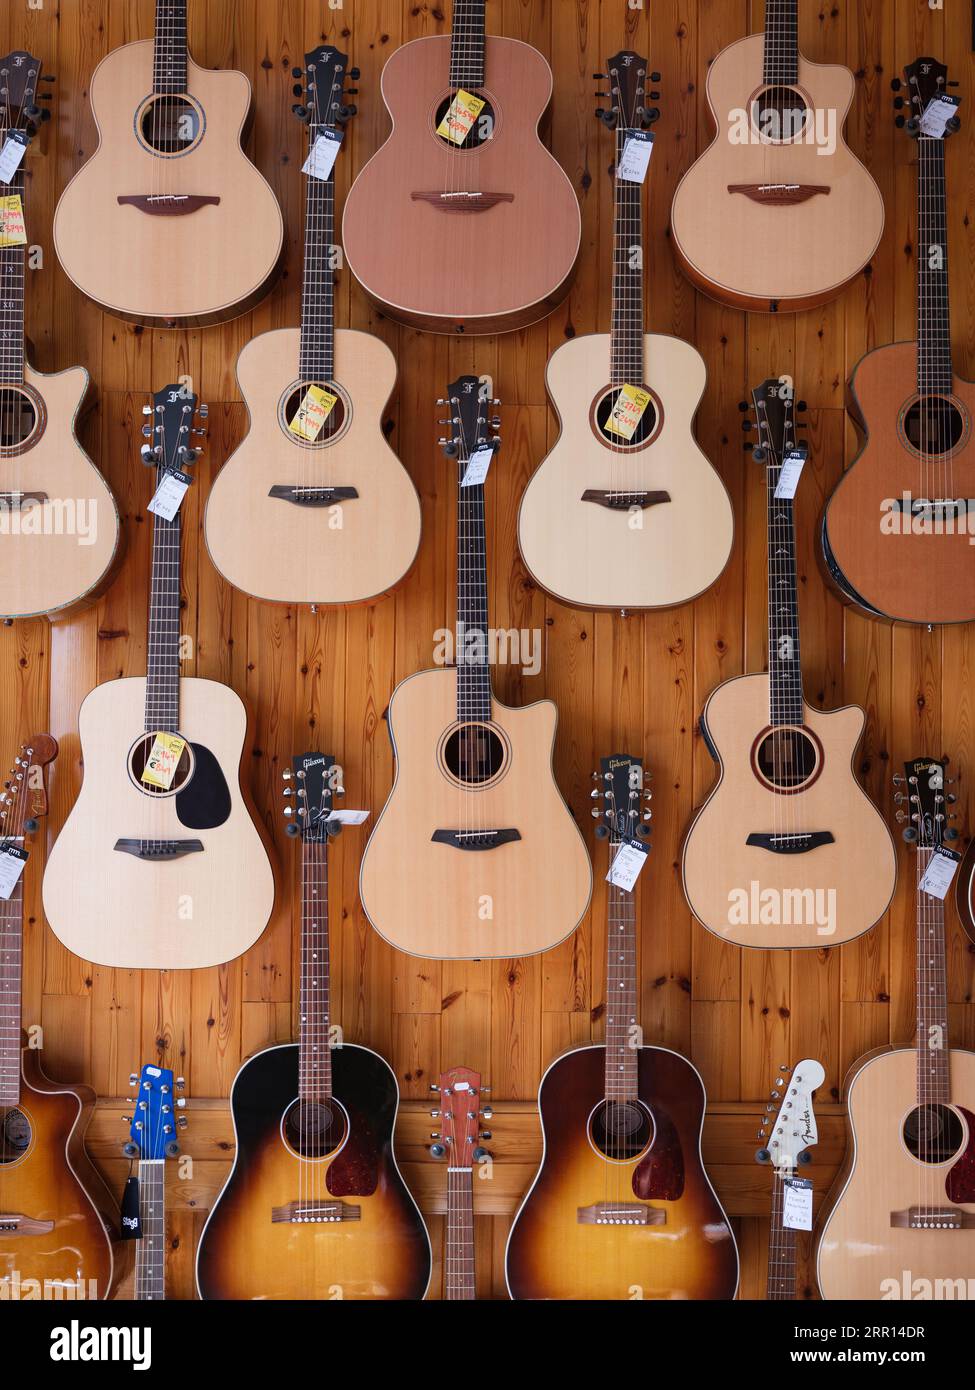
[627, 413]
[12, 231]
[164, 756]
[315, 408]
[461, 114]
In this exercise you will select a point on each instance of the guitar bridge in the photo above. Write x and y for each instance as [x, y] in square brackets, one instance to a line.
[311, 1213]
[463, 201]
[934, 1219]
[796, 842]
[312, 496]
[166, 204]
[17, 501]
[784, 194]
[159, 849]
[624, 501]
[16, 1224]
[474, 839]
[621, 1214]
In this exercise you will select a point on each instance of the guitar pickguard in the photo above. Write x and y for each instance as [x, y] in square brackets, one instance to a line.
[660, 1174]
[204, 803]
[960, 1182]
[355, 1171]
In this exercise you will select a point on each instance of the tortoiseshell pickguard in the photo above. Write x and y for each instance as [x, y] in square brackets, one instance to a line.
[960, 1182]
[660, 1174]
[355, 1171]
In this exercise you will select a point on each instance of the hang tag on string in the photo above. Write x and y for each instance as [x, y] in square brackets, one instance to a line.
[12, 231]
[477, 466]
[131, 1225]
[12, 861]
[628, 860]
[316, 406]
[627, 411]
[937, 114]
[14, 149]
[163, 759]
[169, 494]
[940, 870]
[323, 154]
[790, 473]
[347, 817]
[635, 159]
[460, 115]
[797, 1206]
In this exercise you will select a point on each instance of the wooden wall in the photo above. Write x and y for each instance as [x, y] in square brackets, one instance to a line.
[637, 683]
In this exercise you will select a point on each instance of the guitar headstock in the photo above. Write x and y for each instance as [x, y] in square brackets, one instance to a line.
[925, 79]
[174, 419]
[310, 787]
[469, 426]
[622, 801]
[24, 798]
[794, 1132]
[155, 1121]
[460, 1116]
[775, 409]
[627, 75]
[926, 816]
[322, 89]
[20, 115]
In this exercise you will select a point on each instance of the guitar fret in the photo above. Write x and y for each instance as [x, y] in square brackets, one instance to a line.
[781, 47]
[934, 365]
[467, 44]
[169, 51]
[314, 1052]
[316, 354]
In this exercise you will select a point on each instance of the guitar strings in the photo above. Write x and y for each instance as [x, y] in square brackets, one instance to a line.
[12, 939]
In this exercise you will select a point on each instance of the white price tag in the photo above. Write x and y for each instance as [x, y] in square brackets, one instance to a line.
[635, 159]
[12, 861]
[170, 493]
[477, 466]
[797, 1194]
[940, 871]
[323, 154]
[347, 817]
[627, 863]
[14, 149]
[790, 472]
[937, 114]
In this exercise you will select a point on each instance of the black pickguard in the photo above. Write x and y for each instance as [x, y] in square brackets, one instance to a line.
[204, 803]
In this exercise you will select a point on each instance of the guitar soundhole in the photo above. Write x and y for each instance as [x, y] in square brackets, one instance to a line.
[474, 753]
[137, 761]
[480, 132]
[646, 426]
[16, 1135]
[170, 124]
[620, 1129]
[779, 113]
[331, 425]
[933, 1133]
[934, 425]
[787, 758]
[17, 417]
[314, 1128]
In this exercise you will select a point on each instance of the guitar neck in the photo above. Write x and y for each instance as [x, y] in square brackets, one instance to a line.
[162, 678]
[317, 351]
[933, 1051]
[471, 644]
[459, 1265]
[150, 1255]
[781, 1280]
[781, 41]
[314, 1053]
[934, 370]
[622, 1054]
[11, 957]
[13, 266]
[626, 332]
[784, 658]
[467, 44]
[169, 52]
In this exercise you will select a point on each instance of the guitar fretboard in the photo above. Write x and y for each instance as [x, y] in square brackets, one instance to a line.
[784, 658]
[473, 668]
[11, 964]
[150, 1253]
[781, 41]
[459, 1255]
[169, 48]
[314, 1055]
[317, 351]
[781, 1280]
[622, 1053]
[467, 45]
[13, 265]
[626, 330]
[934, 371]
[933, 1054]
[162, 678]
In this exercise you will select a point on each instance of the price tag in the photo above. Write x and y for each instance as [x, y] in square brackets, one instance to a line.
[627, 413]
[323, 154]
[311, 415]
[14, 149]
[937, 114]
[635, 159]
[347, 817]
[170, 493]
[477, 466]
[164, 755]
[628, 860]
[12, 861]
[12, 221]
[797, 1204]
[940, 871]
[461, 114]
[790, 472]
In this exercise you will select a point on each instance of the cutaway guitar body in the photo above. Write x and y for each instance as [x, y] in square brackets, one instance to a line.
[54, 1207]
[802, 881]
[647, 1226]
[490, 868]
[342, 1226]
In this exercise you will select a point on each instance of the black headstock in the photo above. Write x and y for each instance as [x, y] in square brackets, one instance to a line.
[310, 786]
[775, 409]
[175, 418]
[469, 425]
[627, 75]
[622, 810]
[924, 79]
[322, 88]
[20, 74]
[926, 818]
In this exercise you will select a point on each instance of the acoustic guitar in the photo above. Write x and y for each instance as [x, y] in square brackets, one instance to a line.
[900, 1221]
[459, 1141]
[59, 526]
[785, 1147]
[965, 890]
[788, 850]
[777, 213]
[161, 864]
[897, 532]
[621, 1206]
[58, 1223]
[626, 477]
[169, 223]
[475, 854]
[463, 222]
[154, 1125]
[314, 507]
[314, 1207]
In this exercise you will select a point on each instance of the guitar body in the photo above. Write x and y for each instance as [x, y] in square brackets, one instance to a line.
[488, 269]
[188, 912]
[384, 1253]
[722, 873]
[758, 254]
[551, 1254]
[71, 555]
[53, 1181]
[861, 1255]
[429, 898]
[965, 890]
[593, 556]
[274, 549]
[177, 265]
[914, 578]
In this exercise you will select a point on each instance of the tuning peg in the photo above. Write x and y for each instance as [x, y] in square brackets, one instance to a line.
[297, 89]
[762, 1155]
[30, 825]
[643, 832]
[951, 833]
[480, 1153]
[301, 112]
[297, 72]
[435, 1134]
[182, 1121]
[805, 1157]
[180, 1083]
[487, 1113]
[909, 834]
[895, 84]
[126, 1119]
[655, 77]
[484, 1134]
[437, 1150]
[133, 1077]
[898, 103]
[450, 449]
[292, 829]
[601, 832]
[355, 74]
[181, 1102]
[434, 1087]
[332, 828]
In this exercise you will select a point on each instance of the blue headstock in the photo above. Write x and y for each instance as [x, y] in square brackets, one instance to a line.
[155, 1117]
